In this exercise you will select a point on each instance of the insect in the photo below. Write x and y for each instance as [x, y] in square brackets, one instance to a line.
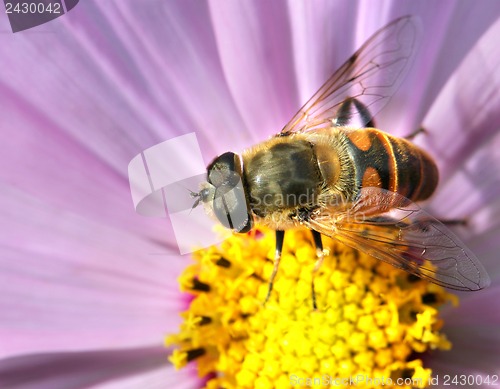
[330, 170]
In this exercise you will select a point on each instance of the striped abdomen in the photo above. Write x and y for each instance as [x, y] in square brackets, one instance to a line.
[391, 163]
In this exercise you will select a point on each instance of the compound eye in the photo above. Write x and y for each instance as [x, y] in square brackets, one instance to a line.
[229, 204]
[230, 208]
[224, 170]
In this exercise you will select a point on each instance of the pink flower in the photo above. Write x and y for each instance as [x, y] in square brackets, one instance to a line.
[88, 287]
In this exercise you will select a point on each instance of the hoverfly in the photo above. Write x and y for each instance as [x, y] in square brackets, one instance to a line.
[330, 170]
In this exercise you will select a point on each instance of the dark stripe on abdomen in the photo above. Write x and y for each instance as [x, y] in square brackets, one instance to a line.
[391, 163]
[417, 172]
[371, 159]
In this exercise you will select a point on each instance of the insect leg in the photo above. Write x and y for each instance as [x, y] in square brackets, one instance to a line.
[454, 222]
[344, 114]
[449, 222]
[280, 237]
[415, 133]
[320, 255]
[366, 116]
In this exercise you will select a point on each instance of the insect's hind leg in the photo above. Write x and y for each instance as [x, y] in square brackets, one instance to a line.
[320, 256]
[280, 238]
[415, 133]
[344, 114]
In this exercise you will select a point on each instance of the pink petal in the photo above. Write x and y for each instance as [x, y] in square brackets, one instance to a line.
[450, 30]
[473, 331]
[463, 136]
[255, 51]
[130, 368]
[471, 193]
[70, 283]
[465, 116]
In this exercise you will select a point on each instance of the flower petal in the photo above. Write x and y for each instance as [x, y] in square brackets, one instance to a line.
[468, 103]
[471, 194]
[69, 283]
[473, 331]
[89, 369]
[255, 48]
[463, 134]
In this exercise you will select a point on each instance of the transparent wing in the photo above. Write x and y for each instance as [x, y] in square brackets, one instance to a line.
[393, 229]
[370, 77]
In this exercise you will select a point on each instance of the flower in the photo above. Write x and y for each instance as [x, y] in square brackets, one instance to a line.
[373, 318]
[88, 288]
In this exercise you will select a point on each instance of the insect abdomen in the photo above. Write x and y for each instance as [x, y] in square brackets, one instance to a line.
[391, 163]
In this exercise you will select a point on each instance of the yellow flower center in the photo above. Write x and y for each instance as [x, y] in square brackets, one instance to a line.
[372, 322]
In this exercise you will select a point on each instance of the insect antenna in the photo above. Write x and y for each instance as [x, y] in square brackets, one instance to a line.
[199, 197]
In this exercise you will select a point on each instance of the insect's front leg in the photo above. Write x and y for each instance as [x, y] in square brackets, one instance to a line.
[320, 256]
[280, 237]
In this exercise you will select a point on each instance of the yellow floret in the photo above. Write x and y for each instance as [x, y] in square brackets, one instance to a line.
[370, 317]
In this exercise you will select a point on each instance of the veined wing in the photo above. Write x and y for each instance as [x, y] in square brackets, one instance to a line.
[370, 77]
[395, 230]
